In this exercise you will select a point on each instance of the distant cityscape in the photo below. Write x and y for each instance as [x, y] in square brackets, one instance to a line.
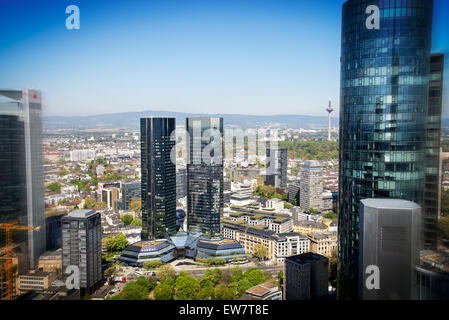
[179, 206]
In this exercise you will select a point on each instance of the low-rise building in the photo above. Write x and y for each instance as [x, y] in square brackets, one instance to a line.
[308, 226]
[51, 261]
[35, 281]
[264, 291]
[323, 243]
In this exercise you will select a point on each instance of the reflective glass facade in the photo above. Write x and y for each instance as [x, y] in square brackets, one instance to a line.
[158, 178]
[204, 179]
[21, 172]
[383, 112]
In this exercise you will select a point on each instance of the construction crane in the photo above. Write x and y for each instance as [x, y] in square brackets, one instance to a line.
[9, 227]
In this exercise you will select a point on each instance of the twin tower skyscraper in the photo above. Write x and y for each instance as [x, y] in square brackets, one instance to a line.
[204, 178]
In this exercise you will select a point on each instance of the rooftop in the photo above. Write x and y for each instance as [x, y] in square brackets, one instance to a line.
[389, 204]
[81, 213]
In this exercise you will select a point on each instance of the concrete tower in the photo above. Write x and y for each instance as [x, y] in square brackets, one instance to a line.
[329, 111]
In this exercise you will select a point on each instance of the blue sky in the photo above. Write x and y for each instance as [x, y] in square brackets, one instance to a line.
[212, 56]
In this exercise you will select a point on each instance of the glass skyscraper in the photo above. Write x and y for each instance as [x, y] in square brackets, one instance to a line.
[21, 172]
[383, 112]
[204, 175]
[158, 178]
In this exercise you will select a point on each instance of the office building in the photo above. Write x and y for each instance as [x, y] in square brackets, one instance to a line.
[130, 190]
[21, 172]
[181, 183]
[433, 275]
[265, 291]
[81, 246]
[432, 187]
[158, 178]
[323, 243]
[53, 229]
[294, 194]
[390, 238]
[110, 196]
[383, 115]
[276, 167]
[311, 185]
[306, 277]
[205, 175]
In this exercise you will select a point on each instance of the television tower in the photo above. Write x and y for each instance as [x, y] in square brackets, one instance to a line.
[329, 110]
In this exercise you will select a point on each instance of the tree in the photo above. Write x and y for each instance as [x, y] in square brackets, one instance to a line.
[54, 187]
[222, 292]
[288, 205]
[120, 242]
[109, 243]
[186, 287]
[205, 293]
[136, 222]
[127, 219]
[281, 277]
[152, 264]
[166, 271]
[237, 274]
[260, 252]
[90, 203]
[134, 291]
[213, 275]
[254, 276]
[135, 205]
[163, 291]
[443, 228]
[242, 286]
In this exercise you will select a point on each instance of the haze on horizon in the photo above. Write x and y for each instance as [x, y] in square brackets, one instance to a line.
[271, 57]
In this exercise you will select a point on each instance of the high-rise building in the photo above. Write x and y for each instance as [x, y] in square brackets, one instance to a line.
[276, 167]
[158, 178]
[329, 111]
[130, 190]
[311, 185]
[294, 192]
[181, 183]
[383, 115]
[21, 172]
[432, 188]
[306, 276]
[81, 246]
[390, 239]
[205, 175]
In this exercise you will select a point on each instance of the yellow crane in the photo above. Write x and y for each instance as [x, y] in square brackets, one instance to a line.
[9, 227]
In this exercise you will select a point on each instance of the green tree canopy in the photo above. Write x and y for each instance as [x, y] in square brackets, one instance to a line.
[163, 291]
[186, 287]
[127, 219]
[255, 276]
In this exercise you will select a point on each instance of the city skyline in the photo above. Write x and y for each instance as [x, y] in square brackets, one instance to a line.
[241, 57]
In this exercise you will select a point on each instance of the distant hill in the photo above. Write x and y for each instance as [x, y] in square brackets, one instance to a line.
[130, 120]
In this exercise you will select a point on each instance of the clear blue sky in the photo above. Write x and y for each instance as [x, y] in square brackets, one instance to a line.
[213, 56]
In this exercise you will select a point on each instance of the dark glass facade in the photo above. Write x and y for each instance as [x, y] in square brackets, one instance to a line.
[383, 113]
[276, 168]
[21, 173]
[158, 178]
[432, 190]
[204, 179]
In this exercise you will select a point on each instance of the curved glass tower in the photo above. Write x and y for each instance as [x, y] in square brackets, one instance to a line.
[383, 109]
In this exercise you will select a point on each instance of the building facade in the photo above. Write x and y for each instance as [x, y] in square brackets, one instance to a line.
[383, 115]
[158, 178]
[21, 172]
[81, 246]
[432, 187]
[311, 185]
[276, 168]
[306, 276]
[205, 175]
[390, 238]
